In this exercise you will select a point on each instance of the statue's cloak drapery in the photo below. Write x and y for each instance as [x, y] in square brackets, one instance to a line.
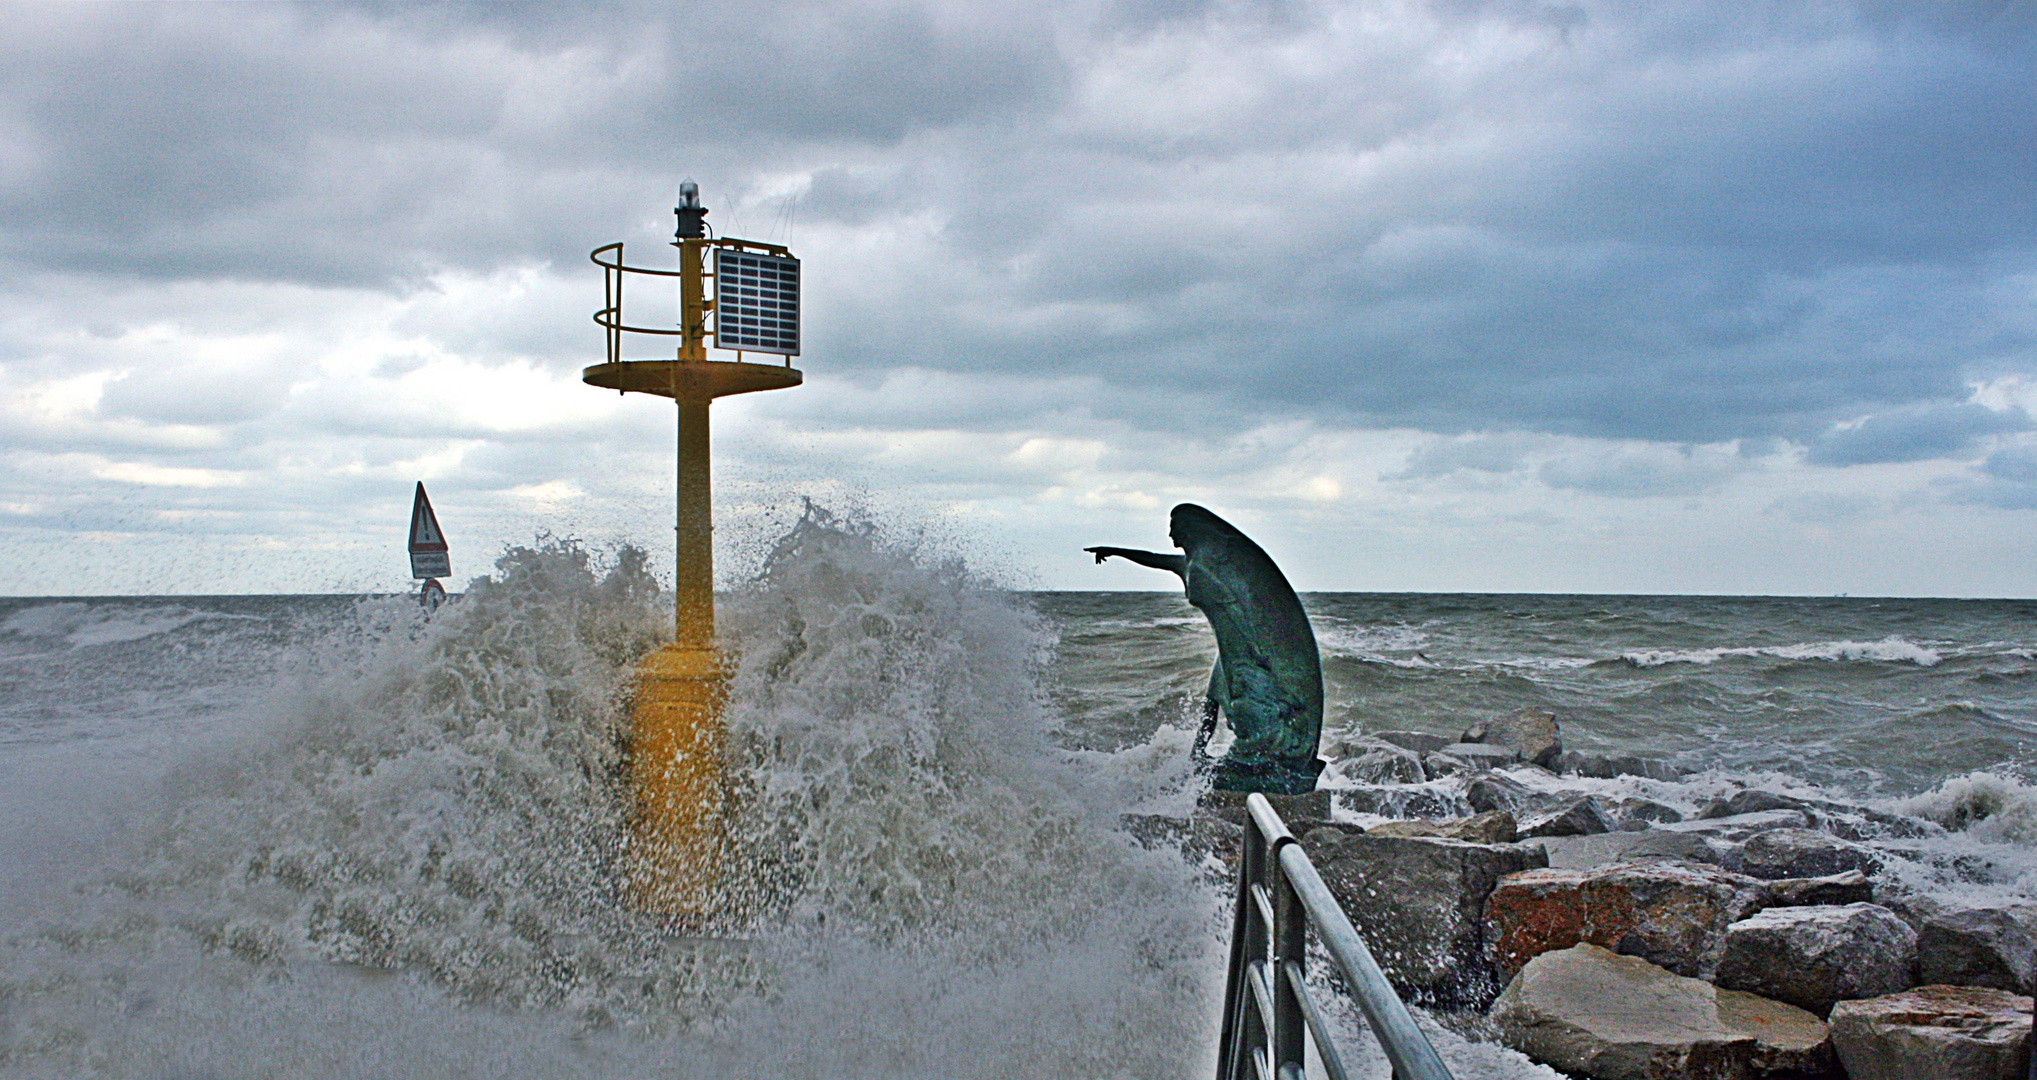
[1268, 678]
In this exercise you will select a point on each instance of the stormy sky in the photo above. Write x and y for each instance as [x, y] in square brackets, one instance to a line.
[1459, 295]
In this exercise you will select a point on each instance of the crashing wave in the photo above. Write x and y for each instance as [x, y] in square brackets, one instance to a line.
[446, 799]
[1988, 805]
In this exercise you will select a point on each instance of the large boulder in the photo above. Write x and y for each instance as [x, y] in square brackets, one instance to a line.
[1668, 912]
[1592, 1013]
[1439, 765]
[1482, 755]
[1400, 801]
[1421, 742]
[1383, 765]
[1577, 852]
[1637, 815]
[1608, 766]
[1418, 901]
[1492, 791]
[1749, 801]
[1531, 733]
[1979, 946]
[1935, 1033]
[1788, 853]
[1814, 956]
[1580, 816]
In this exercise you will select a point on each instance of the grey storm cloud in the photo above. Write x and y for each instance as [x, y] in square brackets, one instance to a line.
[1915, 433]
[1681, 222]
[2006, 480]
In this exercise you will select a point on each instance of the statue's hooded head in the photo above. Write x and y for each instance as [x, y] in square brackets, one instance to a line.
[1193, 528]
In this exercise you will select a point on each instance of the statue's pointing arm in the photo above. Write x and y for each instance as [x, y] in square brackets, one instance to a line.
[1176, 563]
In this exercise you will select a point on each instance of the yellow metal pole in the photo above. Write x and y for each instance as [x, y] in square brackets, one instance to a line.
[678, 738]
[678, 741]
[693, 576]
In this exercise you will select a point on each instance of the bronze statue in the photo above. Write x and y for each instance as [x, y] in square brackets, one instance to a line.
[1268, 679]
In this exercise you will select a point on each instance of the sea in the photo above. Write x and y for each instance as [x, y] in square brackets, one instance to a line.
[329, 836]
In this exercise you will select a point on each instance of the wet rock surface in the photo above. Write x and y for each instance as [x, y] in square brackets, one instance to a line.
[1421, 742]
[1419, 902]
[1482, 755]
[1608, 766]
[1740, 827]
[1385, 765]
[1582, 816]
[1639, 814]
[1492, 791]
[1670, 913]
[1848, 887]
[1798, 852]
[1533, 735]
[1995, 947]
[1401, 801]
[1230, 806]
[1816, 955]
[1593, 1013]
[1579, 852]
[1934, 1033]
[1494, 828]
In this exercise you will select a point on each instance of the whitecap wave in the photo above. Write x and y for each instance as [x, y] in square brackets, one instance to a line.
[1152, 623]
[83, 625]
[1891, 649]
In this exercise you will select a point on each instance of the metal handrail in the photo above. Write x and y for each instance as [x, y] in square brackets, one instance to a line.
[1280, 896]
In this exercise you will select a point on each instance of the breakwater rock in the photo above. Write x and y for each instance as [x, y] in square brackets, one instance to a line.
[1595, 1013]
[1617, 916]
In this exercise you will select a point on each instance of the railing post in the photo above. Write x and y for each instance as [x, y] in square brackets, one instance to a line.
[1234, 981]
[1289, 945]
[1249, 1033]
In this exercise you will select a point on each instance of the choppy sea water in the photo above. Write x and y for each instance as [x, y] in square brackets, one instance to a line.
[321, 836]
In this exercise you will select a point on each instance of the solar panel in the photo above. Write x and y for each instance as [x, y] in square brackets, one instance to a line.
[756, 302]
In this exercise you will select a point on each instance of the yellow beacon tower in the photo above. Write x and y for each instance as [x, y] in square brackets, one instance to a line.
[676, 745]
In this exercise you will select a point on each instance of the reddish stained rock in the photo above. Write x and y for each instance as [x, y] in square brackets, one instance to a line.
[1670, 913]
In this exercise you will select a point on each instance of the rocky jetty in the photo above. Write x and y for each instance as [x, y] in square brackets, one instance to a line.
[1615, 926]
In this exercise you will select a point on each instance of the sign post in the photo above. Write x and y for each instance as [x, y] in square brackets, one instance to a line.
[430, 559]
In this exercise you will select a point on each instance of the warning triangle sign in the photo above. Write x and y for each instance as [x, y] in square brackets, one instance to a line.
[424, 525]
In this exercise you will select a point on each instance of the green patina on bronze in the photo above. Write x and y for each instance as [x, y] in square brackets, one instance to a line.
[1268, 679]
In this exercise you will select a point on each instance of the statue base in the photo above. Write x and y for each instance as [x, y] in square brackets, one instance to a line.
[1269, 778]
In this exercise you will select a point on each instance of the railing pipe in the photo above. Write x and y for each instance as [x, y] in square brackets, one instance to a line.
[1268, 1014]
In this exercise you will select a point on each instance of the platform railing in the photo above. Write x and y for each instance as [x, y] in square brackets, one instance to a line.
[614, 271]
[1268, 1014]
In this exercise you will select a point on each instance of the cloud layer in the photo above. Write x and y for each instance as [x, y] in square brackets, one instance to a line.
[1611, 288]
